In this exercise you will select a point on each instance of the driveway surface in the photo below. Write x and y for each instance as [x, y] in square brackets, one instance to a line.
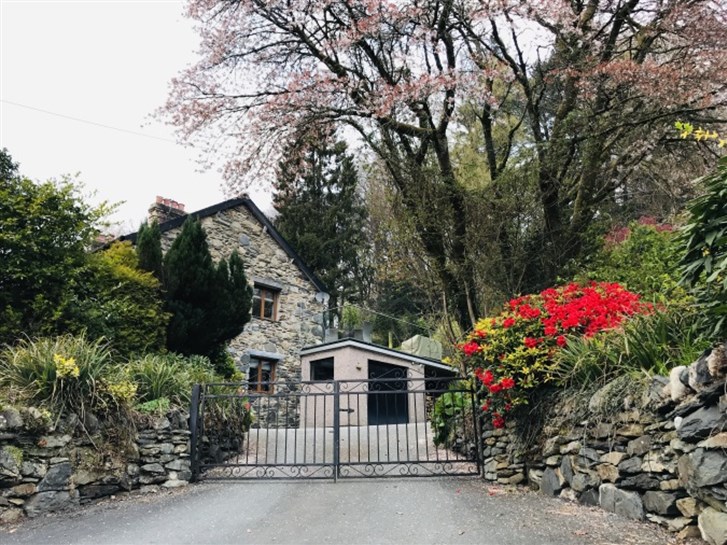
[373, 511]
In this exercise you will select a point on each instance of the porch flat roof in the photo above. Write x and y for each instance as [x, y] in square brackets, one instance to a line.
[376, 349]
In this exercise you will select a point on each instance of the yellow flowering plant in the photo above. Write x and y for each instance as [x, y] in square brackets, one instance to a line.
[66, 367]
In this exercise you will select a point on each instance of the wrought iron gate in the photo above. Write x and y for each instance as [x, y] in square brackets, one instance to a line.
[385, 427]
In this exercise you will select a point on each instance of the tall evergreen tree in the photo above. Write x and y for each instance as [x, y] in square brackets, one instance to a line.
[149, 248]
[189, 276]
[321, 213]
[209, 305]
[232, 300]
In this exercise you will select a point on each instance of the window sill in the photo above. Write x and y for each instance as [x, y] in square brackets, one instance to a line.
[265, 319]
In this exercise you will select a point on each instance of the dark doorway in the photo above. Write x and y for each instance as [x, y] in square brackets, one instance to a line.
[388, 400]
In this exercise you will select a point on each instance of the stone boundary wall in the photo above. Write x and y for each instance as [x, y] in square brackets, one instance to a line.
[660, 457]
[42, 471]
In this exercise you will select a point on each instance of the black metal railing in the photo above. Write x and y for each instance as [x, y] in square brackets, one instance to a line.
[334, 429]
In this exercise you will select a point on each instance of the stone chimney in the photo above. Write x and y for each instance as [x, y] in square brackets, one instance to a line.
[165, 209]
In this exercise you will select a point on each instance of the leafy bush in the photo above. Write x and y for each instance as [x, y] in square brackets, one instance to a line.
[201, 370]
[157, 376]
[64, 374]
[513, 353]
[169, 376]
[643, 257]
[448, 408]
[704, 265]
[653, 344]
[115, 299]
[222, 363]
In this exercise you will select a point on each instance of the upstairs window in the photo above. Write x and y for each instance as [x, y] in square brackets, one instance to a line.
[261, 375]
[265, 303]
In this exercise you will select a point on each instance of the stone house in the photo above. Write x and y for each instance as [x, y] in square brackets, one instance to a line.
[289, 301]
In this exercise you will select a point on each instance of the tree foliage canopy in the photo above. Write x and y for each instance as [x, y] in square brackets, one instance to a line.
[580, 92]
[643, 257]
[46, 230]
[52, 283]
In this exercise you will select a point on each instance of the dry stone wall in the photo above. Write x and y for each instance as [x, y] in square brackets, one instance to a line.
[46, 468]
[660, 456]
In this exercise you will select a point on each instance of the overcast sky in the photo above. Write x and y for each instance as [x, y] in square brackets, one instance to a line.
[78, 82]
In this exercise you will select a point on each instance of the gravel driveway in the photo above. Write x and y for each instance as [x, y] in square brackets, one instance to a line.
[418, 511]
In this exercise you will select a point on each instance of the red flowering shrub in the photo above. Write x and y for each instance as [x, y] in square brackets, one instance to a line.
[618, 235]
[512, 353]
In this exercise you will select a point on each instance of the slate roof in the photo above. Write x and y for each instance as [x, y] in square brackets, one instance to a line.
[259, 216]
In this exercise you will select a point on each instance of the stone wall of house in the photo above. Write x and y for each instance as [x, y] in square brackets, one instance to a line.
[300, 314]
[660, 455]
[45, 468]
[300, 311]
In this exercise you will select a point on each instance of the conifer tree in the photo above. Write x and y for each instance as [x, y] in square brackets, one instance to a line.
[232, 297]
[322, 215]
[149, 248]
[209, 305]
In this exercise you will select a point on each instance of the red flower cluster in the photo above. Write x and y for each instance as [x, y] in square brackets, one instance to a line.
[500, 387]
[470, 348]
[588, 309]
[485, 377]
[539, 323]
[488, 379]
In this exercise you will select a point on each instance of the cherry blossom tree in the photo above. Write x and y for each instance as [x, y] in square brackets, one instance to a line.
[585, 90]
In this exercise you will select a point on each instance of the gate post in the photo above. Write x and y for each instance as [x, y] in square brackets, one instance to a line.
[477, 423]
[336, 429]
[194, 431]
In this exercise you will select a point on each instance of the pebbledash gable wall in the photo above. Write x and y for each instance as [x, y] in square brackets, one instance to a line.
[238, 224]
[658, 454]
